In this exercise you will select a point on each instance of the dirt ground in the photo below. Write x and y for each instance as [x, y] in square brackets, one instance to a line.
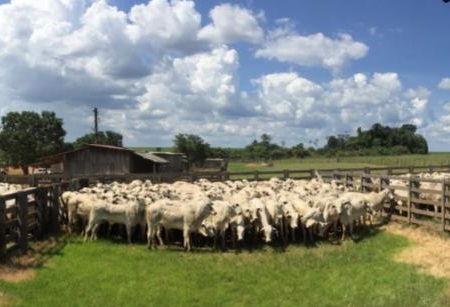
[430, 253]
[22, 267]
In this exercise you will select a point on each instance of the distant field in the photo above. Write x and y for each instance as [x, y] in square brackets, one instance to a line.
[343, 162]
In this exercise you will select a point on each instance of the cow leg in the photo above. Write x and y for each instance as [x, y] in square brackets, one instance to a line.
[282, 232]
[94, 232]
[351, 230]
[88, 229]
[310, 231]
[158, 235]
[304, 234]
[129, 230]
[233, 237]
[222, 236]
[344, 229]
[293, 235]
[149, 236]
[186, 240]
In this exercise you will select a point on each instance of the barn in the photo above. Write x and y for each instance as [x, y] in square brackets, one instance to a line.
[96, 159]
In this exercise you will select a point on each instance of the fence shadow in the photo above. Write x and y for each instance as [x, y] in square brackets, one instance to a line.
[37, 254]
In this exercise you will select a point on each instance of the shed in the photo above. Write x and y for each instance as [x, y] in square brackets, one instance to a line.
[95, 159]
[176, 161]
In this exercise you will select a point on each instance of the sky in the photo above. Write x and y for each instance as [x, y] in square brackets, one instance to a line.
[229, 71]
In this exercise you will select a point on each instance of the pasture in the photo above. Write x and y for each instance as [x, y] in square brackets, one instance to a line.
[343, 162]
[362, 273]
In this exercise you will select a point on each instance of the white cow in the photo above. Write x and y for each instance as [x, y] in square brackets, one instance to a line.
[174, 214]
[129, 213]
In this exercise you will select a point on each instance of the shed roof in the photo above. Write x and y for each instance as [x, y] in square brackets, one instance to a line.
[152, 157]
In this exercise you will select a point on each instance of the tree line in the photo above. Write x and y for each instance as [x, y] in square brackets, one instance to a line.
[378, 140]
[26, 136]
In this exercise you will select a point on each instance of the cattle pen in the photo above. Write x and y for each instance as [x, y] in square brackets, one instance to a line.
[27, 215]
[37, 211]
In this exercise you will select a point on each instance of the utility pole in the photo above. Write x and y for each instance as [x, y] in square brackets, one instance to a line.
[96, 125]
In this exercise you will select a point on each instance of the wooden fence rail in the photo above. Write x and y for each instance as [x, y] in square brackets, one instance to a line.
[36, 179]
[421, 201]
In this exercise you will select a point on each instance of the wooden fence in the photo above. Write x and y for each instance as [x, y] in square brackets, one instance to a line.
[28, 215]
[419, 201]
[34, 212]
[37, 179]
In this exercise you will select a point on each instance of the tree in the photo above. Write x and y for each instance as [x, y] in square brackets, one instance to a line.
[27, 136]
[299, 151]
[102, 137]
[193, 146]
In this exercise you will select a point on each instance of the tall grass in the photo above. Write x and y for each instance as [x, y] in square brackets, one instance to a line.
[109, 274]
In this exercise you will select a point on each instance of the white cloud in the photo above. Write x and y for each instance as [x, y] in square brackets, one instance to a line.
[312, 50]
[444, 84]
[152, 73]
[286, 96]
[230, 24]
[163, 24]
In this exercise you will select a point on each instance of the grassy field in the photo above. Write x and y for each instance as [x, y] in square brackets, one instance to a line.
[114, 274]
[343, 162]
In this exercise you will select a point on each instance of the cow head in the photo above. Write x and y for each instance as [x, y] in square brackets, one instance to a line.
[207, 230]
[237, 209]
[268, 232]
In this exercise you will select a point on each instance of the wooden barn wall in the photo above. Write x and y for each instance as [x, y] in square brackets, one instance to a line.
[175, 162]
[141, 165]
[94, 161]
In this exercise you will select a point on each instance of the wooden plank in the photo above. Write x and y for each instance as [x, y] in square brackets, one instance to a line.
[426, 191]
[421, 201]
[12, 223]
[23, 221]
[423, 212]
[2, 227]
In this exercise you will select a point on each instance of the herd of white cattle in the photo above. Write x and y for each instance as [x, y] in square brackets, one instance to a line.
[262, 210]
[265, 209]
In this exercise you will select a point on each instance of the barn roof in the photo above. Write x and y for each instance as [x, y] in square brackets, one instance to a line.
[151, 157]
[57, 158]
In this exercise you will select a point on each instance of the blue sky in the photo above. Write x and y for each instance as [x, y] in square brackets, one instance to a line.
[229, 71]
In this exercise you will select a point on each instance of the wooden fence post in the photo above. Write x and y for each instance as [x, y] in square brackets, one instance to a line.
[443, 202]
[348, 180]
[409, 200]
[23, 221]
[285, 174]
[256, 175]
[2, 227]
[415, 184]
[55, 209]
[42, 199]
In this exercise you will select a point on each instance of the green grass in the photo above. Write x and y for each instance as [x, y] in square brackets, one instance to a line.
[344, 162]
[110, 274]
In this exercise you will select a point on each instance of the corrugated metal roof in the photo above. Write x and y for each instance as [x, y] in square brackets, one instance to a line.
[151, 157]
[106, 147]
